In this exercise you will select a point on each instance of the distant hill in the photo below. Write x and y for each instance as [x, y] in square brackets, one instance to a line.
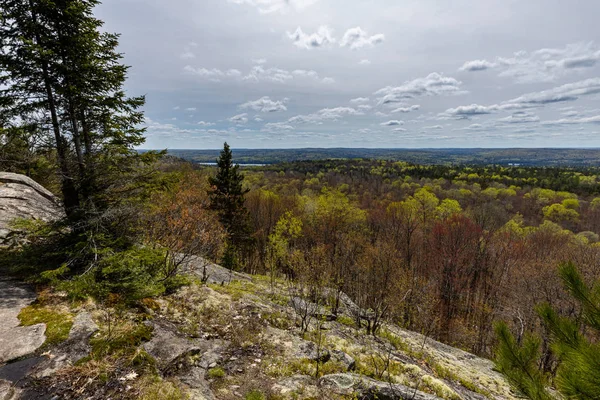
[523, 157]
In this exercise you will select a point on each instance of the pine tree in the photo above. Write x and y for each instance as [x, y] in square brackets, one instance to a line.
[61, 73]
[227, 198]
[578, 373]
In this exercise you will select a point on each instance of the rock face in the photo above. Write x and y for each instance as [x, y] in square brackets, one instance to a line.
[366, 388]
[72, 350]
[22, 197]
[17, 341]
[210, 272]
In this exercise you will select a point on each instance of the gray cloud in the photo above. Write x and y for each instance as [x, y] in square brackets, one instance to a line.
[572, 121]
[332, 114]
[392, 122]
[433, 84]
[265, 105]
[465, 112]
[239, 119]
[414, 107]
[520, 117]
[360, 100]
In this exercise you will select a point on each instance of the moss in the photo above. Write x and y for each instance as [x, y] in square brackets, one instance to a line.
[277, 319]
[255, 395]
[439, 388]
[58, 322]
[345, 320]
[394, 340]
[216, 373]
[235, 289]
[154, 388]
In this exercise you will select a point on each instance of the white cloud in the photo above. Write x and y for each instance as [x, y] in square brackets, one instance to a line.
[258, 73]
[187, 51]
[258, 119]
[259, 61]
[520, 117]
[414, 107]
[364, 107]
[327, 80]
[190, 109]
[477, 65]
[356, 38]
[265, 104]
[399, 130]
[239, 119]
[572, 121]
[364, 61]
[393, 122]
[278, 126]
[360, 100]
[465, 112]
[433, 84]
[542, 65]
[203, 123]
[322, 37]
[271, 6]
[331, 114]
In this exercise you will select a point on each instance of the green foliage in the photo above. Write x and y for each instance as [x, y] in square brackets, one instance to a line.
[255, 395]
[578, 373]
[518, 362]
[227, 198]
[216, 373]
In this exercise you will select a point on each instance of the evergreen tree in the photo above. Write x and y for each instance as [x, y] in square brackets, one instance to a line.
[578, 373]
[61, 73]
[227, 198]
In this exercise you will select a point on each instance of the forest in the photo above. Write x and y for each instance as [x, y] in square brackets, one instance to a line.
[497, 260]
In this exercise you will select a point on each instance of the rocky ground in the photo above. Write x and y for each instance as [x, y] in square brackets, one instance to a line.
[231, 339]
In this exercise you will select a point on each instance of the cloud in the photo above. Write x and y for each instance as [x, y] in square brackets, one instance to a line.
[466, 112]
[265, 104]
[433, 127]
[332, 114]
[360, 100]
[406, 109]
[364, 61]
[567, 92]
[543, 65]
[239, 119]
[520, 117]
[399, 130]
[271, 6]
[364, 107]
[433, 84]
[258, 73]
[573, 121]
[322, 37]
[278, 126]
[203, 123]
[393, 122]
[190, 109]
[259, 61]
[356, 38]
[477, 65]
[187, 51]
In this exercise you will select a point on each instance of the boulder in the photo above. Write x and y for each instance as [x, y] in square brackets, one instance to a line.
[22, 197]
[210, 272]
[8, 391]
[370, 389]
[309, 350]
[168, 347]
[343, 359]
[296, 387]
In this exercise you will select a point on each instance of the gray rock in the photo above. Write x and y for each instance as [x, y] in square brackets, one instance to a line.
[303, 307]
[309, 350]
[17, 341]
[22, 197]
[344, 359]
[72, 350]
[8, 391]
[168, 347]
[291, 387]
[210, 272]
[366, 388]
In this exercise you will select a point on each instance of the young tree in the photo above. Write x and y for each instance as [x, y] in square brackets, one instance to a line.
[227, 198]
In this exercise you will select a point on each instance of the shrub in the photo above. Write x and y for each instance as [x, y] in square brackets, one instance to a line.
[216, 373]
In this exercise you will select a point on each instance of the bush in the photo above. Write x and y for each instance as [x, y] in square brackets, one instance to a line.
[216, 373]
[255, 395]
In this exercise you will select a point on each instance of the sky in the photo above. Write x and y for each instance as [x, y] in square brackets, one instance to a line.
[362, 73]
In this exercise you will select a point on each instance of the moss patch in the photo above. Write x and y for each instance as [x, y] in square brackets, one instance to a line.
[58, 322]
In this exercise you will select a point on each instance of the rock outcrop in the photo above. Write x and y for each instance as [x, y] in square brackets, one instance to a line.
[17, 341]
[22, 197]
